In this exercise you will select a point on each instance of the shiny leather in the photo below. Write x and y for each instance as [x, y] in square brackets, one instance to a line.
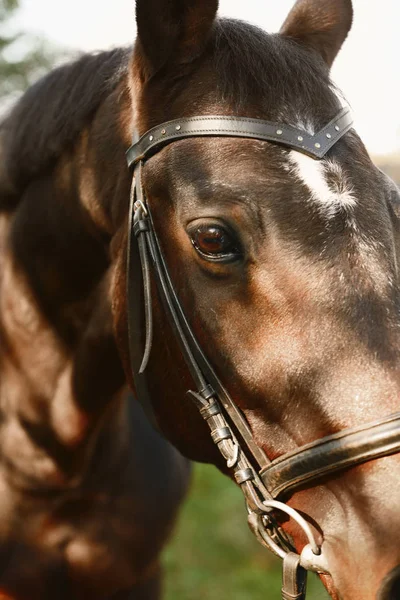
[294, 578]
[316, 145]
[309, 464]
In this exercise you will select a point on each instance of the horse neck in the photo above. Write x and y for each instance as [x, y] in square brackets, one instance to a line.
[60, 370]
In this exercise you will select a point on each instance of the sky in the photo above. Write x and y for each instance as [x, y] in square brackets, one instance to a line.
[367, 70]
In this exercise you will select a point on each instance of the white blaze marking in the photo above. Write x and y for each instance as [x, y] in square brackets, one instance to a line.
[331, 192]
[329, 197]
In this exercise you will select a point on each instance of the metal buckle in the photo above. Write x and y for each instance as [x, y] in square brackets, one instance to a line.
[139, 205]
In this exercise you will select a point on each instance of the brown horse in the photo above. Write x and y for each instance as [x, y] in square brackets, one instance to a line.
[286, 267]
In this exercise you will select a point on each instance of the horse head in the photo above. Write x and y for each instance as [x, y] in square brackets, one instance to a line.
[285, 266]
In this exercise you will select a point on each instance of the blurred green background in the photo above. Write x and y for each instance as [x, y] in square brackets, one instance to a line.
[213, 555]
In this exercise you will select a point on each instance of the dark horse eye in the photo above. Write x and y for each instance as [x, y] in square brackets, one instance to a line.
[215, 243]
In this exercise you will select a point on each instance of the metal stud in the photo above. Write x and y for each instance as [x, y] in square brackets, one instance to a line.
[178, 127]
[151, 138]
[163, 132]
[317, 145]
[300, 138]
[279, 132]
[337, 127]
[329, 136]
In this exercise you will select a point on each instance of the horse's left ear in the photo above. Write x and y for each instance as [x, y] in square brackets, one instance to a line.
[322, 25]
[172, 32]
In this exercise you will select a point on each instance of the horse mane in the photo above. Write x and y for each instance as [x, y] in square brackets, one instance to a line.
[249, 63]
[52, 113]
[277, 72]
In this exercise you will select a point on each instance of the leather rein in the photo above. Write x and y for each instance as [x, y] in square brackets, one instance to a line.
[264, 483]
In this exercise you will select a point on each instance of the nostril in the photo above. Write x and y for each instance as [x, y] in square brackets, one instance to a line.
[390, 589]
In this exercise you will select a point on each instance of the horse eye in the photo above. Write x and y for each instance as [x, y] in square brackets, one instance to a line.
[215, 243]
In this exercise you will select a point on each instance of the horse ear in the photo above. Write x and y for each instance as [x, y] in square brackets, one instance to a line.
[173, 31]
[320, 24]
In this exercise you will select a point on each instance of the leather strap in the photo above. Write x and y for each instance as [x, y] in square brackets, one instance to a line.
[202, 372]
[348, 448]
[138, 304]
[316, 145]
[140, 226]
[294, 578]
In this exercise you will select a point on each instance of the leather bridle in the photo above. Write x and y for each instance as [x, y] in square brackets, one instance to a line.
[262, 481]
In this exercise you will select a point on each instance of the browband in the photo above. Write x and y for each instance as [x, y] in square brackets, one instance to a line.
[316, 145]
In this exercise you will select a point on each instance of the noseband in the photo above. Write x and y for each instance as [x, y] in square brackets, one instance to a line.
[264, 483]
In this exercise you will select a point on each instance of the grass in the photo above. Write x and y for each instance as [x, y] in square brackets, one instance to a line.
[213, 555]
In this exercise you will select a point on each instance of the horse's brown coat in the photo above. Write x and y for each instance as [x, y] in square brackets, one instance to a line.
[80, 515]
[303, 329]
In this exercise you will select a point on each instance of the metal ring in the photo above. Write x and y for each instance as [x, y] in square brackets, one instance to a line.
[271, 544]
[275, 505]
[299, 520]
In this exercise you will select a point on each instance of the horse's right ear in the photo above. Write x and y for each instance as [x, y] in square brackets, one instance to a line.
[172, 31]
[322, 25]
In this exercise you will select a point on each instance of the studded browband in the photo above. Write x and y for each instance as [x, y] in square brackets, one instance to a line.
[316, 145]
